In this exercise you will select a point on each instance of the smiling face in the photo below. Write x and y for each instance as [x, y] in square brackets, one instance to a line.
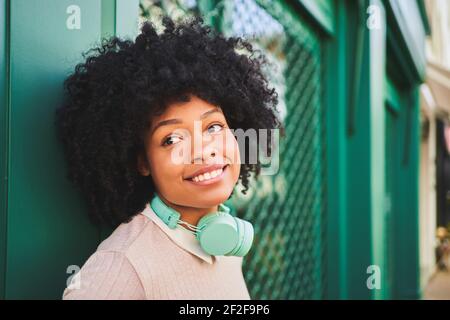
[191, 155]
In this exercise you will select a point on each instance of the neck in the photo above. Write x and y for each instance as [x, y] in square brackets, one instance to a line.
[190, 215]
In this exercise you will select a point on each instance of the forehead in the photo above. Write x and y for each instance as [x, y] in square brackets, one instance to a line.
[185, 110]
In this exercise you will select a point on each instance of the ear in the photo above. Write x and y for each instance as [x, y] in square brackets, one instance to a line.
[142, 165]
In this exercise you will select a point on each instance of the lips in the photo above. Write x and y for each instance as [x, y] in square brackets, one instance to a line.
[205, 170]
[207, 179]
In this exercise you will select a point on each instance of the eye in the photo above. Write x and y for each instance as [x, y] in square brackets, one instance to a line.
[215, 128]
[170, 140]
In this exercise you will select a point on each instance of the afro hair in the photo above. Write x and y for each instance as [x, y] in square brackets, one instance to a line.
[110, 97]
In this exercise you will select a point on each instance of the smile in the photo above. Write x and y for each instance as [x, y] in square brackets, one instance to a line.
[207, 178]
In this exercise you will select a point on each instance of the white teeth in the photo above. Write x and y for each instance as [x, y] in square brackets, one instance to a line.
[208, 175]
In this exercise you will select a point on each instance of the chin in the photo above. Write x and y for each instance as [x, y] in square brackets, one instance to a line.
[214, 201]
[211, 200]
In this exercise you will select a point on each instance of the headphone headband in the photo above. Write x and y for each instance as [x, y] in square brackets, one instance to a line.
[170, 216]
[219, 233]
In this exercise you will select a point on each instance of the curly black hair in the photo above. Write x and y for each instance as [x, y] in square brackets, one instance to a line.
[110, 97]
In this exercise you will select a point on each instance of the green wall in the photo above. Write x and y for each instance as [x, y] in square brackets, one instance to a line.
[373, 152]
[43, 221]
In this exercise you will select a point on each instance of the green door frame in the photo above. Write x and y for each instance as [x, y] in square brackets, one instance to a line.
[4, 136]
[355, 144]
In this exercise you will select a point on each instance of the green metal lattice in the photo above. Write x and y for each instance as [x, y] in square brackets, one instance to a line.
[287, 209]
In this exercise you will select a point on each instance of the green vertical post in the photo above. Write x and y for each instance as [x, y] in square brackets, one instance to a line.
[406, 268]
[377, 65]
[358, 233]
[336, 101]
[365, 160]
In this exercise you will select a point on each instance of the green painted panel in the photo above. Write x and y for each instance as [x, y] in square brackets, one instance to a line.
[127, 13]
[402, 167]
[402, 255]
[120, 18]
[392, 146]
[407, 232]
[47, 229]
[359, 192]
[108, 18]
[47, 226]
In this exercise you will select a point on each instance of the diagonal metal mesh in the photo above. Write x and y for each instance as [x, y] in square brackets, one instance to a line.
[287, 209]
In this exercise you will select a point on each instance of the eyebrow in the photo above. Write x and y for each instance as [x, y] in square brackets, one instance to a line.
[178, 121]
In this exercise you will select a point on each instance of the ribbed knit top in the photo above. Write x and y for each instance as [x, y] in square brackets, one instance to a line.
[142, 260]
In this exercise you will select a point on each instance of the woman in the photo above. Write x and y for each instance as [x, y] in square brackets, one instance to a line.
[133, 116]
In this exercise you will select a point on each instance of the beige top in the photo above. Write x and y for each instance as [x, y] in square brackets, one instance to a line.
[145, 259]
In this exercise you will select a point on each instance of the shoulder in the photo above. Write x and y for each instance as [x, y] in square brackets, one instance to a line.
[125, 235]
[109, 273]
[105, 275]
[139, 235]
[117, 269]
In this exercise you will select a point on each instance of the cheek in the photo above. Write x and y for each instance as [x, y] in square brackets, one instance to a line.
[164, 172]
[235, 171]
[231, 150]
[233, 155]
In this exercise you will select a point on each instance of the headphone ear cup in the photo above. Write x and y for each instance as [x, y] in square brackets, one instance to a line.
[241, 234]
[217, 234]
[246, 232]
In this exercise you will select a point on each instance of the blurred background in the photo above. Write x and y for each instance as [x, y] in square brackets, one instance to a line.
[360, 206]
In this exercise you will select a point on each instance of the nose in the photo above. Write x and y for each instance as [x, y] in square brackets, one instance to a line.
[206, 153]
[205, 148]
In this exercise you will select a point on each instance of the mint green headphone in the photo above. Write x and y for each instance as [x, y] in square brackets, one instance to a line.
[219, 233]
